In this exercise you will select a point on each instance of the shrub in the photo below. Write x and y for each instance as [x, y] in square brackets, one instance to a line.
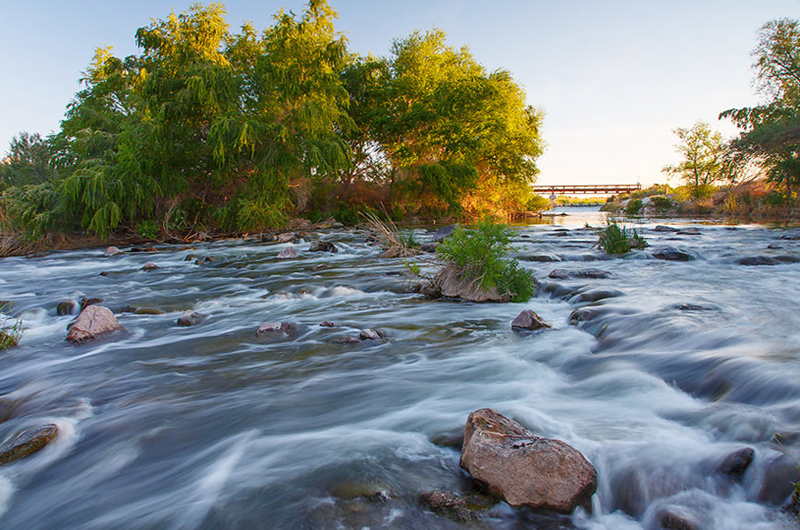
[633, 207]
[480, 254]
[615, 239]
[662, 203]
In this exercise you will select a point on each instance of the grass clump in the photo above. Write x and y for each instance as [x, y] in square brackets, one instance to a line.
[616, 239]
[10, 334]
[386, 233]
[480, 256]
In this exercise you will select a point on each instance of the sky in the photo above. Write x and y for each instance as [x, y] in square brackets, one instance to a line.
[613, 77]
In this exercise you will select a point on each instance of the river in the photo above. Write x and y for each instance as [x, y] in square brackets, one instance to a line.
[212, 426]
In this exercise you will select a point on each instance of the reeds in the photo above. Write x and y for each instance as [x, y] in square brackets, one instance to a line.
[388, 236]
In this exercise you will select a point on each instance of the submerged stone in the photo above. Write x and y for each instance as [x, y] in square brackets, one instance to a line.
[672, 254]
[755, 261]
[27, 443]
[191, 318]
[736, 463]
[323, 246]
[459, 508]
[150, 266]
[278, 327]
[371, 334]
[588, 274]
[67, 307]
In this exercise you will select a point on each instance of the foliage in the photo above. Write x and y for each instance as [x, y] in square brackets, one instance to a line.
[705, 158]
[32, 209]
[616, 239]
[633, 207]
[446, 127]
[10, 334]
[770, 133]
[237, 131]
[28, 161]
[480, 254]
[662, 203]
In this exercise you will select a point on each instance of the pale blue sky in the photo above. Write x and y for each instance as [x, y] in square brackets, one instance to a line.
[613, 77]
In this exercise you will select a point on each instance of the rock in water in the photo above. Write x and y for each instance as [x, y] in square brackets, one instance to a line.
[672, 254]
[443, 233]
[288, 253]
[450, 283]
[280, 327]
[758, 260]
[191, 318]
[288, 237]
[528, 320]
[28, 443]
[323, 246]
[112, 251]
[456, 507]
[67, 307]
[664, 228]
[93, 321]
[589, 274]
[524, 469]
[736, 463]
[150, 266]
[371, 334]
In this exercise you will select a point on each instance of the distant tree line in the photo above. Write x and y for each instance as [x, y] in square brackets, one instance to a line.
[213, 130]
[769, 138]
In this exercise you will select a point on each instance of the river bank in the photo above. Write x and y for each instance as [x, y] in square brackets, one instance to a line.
[657, 372]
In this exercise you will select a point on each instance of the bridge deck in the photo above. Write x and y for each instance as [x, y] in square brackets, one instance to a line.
[561, 189]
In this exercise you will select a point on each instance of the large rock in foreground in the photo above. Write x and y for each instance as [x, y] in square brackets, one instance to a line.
[93, 321]
[522, 468]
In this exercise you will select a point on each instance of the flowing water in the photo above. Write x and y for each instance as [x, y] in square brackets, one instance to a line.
[666, 369]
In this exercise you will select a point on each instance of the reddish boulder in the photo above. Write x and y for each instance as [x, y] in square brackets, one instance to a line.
[524, 469]
[93, 321]
[528, 320]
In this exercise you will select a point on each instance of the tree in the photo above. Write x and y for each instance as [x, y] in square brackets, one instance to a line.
[27, 162]
[705, 159]
[770, 133]
[449, 128]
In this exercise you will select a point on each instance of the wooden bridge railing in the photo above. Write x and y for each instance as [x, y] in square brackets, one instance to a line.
[562, 189]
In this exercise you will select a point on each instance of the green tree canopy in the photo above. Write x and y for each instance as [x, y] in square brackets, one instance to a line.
[770, 133]
[208, 128]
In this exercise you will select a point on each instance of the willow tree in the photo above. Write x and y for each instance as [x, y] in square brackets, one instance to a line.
[770, 133]
[292, 109]
[207, 126]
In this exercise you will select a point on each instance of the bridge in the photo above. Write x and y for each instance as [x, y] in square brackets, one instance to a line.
[597, 189]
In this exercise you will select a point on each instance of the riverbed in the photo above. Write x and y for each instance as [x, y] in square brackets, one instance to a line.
[672, 368]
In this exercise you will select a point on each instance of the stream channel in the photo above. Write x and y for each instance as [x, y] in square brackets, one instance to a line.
[656, 374]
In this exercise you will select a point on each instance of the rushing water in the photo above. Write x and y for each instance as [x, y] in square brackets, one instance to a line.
[211, 426]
